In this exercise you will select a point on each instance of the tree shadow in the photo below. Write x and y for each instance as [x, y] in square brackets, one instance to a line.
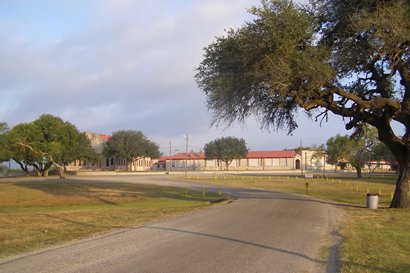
[238, 241]
[85, 224]
[123, 230]
[114, 193]
[274, 195]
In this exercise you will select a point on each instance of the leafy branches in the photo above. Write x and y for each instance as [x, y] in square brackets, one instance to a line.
[130, 145]
[350, 58]
[48, 141]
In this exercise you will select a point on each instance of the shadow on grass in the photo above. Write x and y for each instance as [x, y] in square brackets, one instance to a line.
[83, 223]
[113, 193]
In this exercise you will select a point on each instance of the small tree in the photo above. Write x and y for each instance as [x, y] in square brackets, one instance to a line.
[379, 152]
[130, 145]
[226, 149]
[343, 149]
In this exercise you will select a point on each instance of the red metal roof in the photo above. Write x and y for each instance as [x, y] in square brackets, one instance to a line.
[183, 156]
[251, 155]
[271, 154]
[103, 137]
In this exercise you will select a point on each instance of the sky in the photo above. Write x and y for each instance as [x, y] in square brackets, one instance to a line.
[109, 65]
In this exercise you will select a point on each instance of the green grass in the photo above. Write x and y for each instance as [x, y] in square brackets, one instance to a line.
[373, 240]
[376, 241]
[37, 214]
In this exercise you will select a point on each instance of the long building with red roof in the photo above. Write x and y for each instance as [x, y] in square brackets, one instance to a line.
[196, 161]
[255, 160]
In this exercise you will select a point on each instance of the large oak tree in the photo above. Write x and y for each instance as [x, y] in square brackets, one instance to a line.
[48, 141]
[350, 58]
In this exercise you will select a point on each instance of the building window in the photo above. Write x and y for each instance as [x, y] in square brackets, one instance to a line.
[253, 162]
[283, 162]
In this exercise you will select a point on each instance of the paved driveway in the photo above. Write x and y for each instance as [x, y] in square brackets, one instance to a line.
[260, 231]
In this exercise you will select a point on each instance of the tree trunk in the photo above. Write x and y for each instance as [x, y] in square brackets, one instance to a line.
[401, 197]
[62, 173]
[400, 147]
[359, 172]
[23, 167]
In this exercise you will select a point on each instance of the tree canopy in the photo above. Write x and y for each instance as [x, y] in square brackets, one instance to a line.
[4, 151]
[343, 149]
[48, 141]
[226, 149]
[349, 58]
[130, 145]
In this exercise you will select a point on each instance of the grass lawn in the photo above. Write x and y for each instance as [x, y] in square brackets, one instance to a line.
[40, 213]
[373, 240]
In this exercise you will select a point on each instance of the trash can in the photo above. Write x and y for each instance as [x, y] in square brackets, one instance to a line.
[372, 201]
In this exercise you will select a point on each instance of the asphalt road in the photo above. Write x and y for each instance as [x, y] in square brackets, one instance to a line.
[259, 231]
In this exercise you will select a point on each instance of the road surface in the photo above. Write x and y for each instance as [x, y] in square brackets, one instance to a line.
[259, 231]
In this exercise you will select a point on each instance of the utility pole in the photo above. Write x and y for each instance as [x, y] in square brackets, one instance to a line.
[301, 158]
[186, 153]
[170, 159]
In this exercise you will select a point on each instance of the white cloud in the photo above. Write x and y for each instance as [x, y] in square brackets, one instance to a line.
[122, 65]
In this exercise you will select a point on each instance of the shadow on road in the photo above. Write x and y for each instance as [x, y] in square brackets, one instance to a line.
[272, 195]
[239, 242]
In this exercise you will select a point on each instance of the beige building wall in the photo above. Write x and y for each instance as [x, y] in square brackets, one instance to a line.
[253, 164]
[311, 162]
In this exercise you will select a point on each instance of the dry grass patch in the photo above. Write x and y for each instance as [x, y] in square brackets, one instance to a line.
[37, 214]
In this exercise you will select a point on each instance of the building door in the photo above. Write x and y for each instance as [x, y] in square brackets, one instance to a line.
[297, 163]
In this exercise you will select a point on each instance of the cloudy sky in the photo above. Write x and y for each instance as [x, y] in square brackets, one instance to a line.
[107, 65]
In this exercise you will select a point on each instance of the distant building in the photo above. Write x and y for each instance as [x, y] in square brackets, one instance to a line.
[110, 163]
[378, 165]
[254, 161]
[310, 161]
